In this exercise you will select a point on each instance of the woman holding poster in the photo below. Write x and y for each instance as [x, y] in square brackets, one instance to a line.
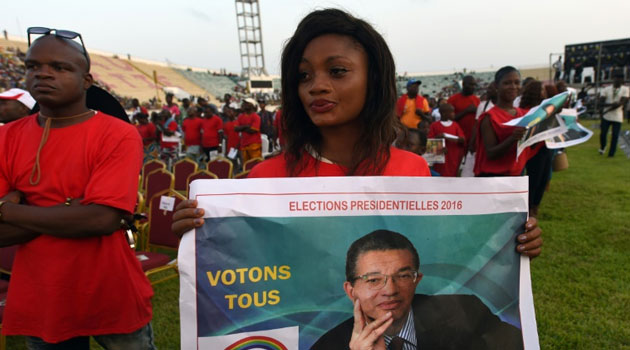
[338, 98]
[339, 93]
[496, 146]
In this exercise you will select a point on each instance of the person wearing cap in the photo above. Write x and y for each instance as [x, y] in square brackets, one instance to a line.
[616, 96]
[15, 104]
[68, 177]
[248, 123]
[412, 107]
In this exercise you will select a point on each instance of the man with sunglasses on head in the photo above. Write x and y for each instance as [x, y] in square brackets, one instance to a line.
[68, 175]
[382, 273]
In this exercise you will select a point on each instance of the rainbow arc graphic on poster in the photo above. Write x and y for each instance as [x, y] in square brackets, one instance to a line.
[257, 343]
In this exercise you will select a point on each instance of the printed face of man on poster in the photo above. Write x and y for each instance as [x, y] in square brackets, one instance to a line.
[382, 273]
[382, 282]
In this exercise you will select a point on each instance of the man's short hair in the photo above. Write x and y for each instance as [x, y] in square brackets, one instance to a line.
[378, 240]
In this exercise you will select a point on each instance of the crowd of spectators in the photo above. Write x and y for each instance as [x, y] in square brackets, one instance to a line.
[202, 131]
[11, 68]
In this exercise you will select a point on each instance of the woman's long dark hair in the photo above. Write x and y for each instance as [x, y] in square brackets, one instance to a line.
[371, 152]
[532, 94]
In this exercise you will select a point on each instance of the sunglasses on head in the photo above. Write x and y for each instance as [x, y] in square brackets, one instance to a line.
[66, 34]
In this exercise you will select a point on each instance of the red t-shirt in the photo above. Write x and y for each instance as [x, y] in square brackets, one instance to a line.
[146, 131]
[401, 163]
[174, 109]
[253, 121]
[63, 288]
[172, 126]
[455, 150]
[233, 139]
[192, 131]
[211, 128]
[506, 165]
[461, 102]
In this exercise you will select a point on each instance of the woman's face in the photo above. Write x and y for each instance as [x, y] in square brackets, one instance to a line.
[333, 80]
[509, 86]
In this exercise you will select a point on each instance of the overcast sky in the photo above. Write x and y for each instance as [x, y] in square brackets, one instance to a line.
[424, 35]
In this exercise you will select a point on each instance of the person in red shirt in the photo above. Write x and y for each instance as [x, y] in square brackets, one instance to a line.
[233, 139]
[68, 176]
[136, 109]
[191, 126]
[248, 123]
[147, 130]
[212, 127]
[169, 138]
[339, 93]
[171, 107]
[465, 104]
[447, 129]
[496, 144]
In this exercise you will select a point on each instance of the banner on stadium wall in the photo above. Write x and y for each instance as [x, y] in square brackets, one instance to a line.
[266, 270]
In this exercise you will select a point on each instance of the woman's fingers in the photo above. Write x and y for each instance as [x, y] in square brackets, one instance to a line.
[530, 242]
[186, 217]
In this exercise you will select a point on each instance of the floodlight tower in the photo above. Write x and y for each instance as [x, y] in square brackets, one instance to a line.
[250, 38]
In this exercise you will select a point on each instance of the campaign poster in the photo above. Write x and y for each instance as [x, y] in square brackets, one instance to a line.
[576, 133]
[435, 151]
[541, 112]
[542, 131]
[267, 269]
[542, 122]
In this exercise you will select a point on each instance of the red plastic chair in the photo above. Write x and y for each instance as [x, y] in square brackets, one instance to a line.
[7, 254]
[251, 163]
[221, 167]
[199, 175]
[147, 168]
[182, 170]
[157, 181]
[159, 235]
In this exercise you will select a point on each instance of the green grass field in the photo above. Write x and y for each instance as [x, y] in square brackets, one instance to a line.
[581, 281]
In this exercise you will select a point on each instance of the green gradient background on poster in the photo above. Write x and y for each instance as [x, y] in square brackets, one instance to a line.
[472, 254]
